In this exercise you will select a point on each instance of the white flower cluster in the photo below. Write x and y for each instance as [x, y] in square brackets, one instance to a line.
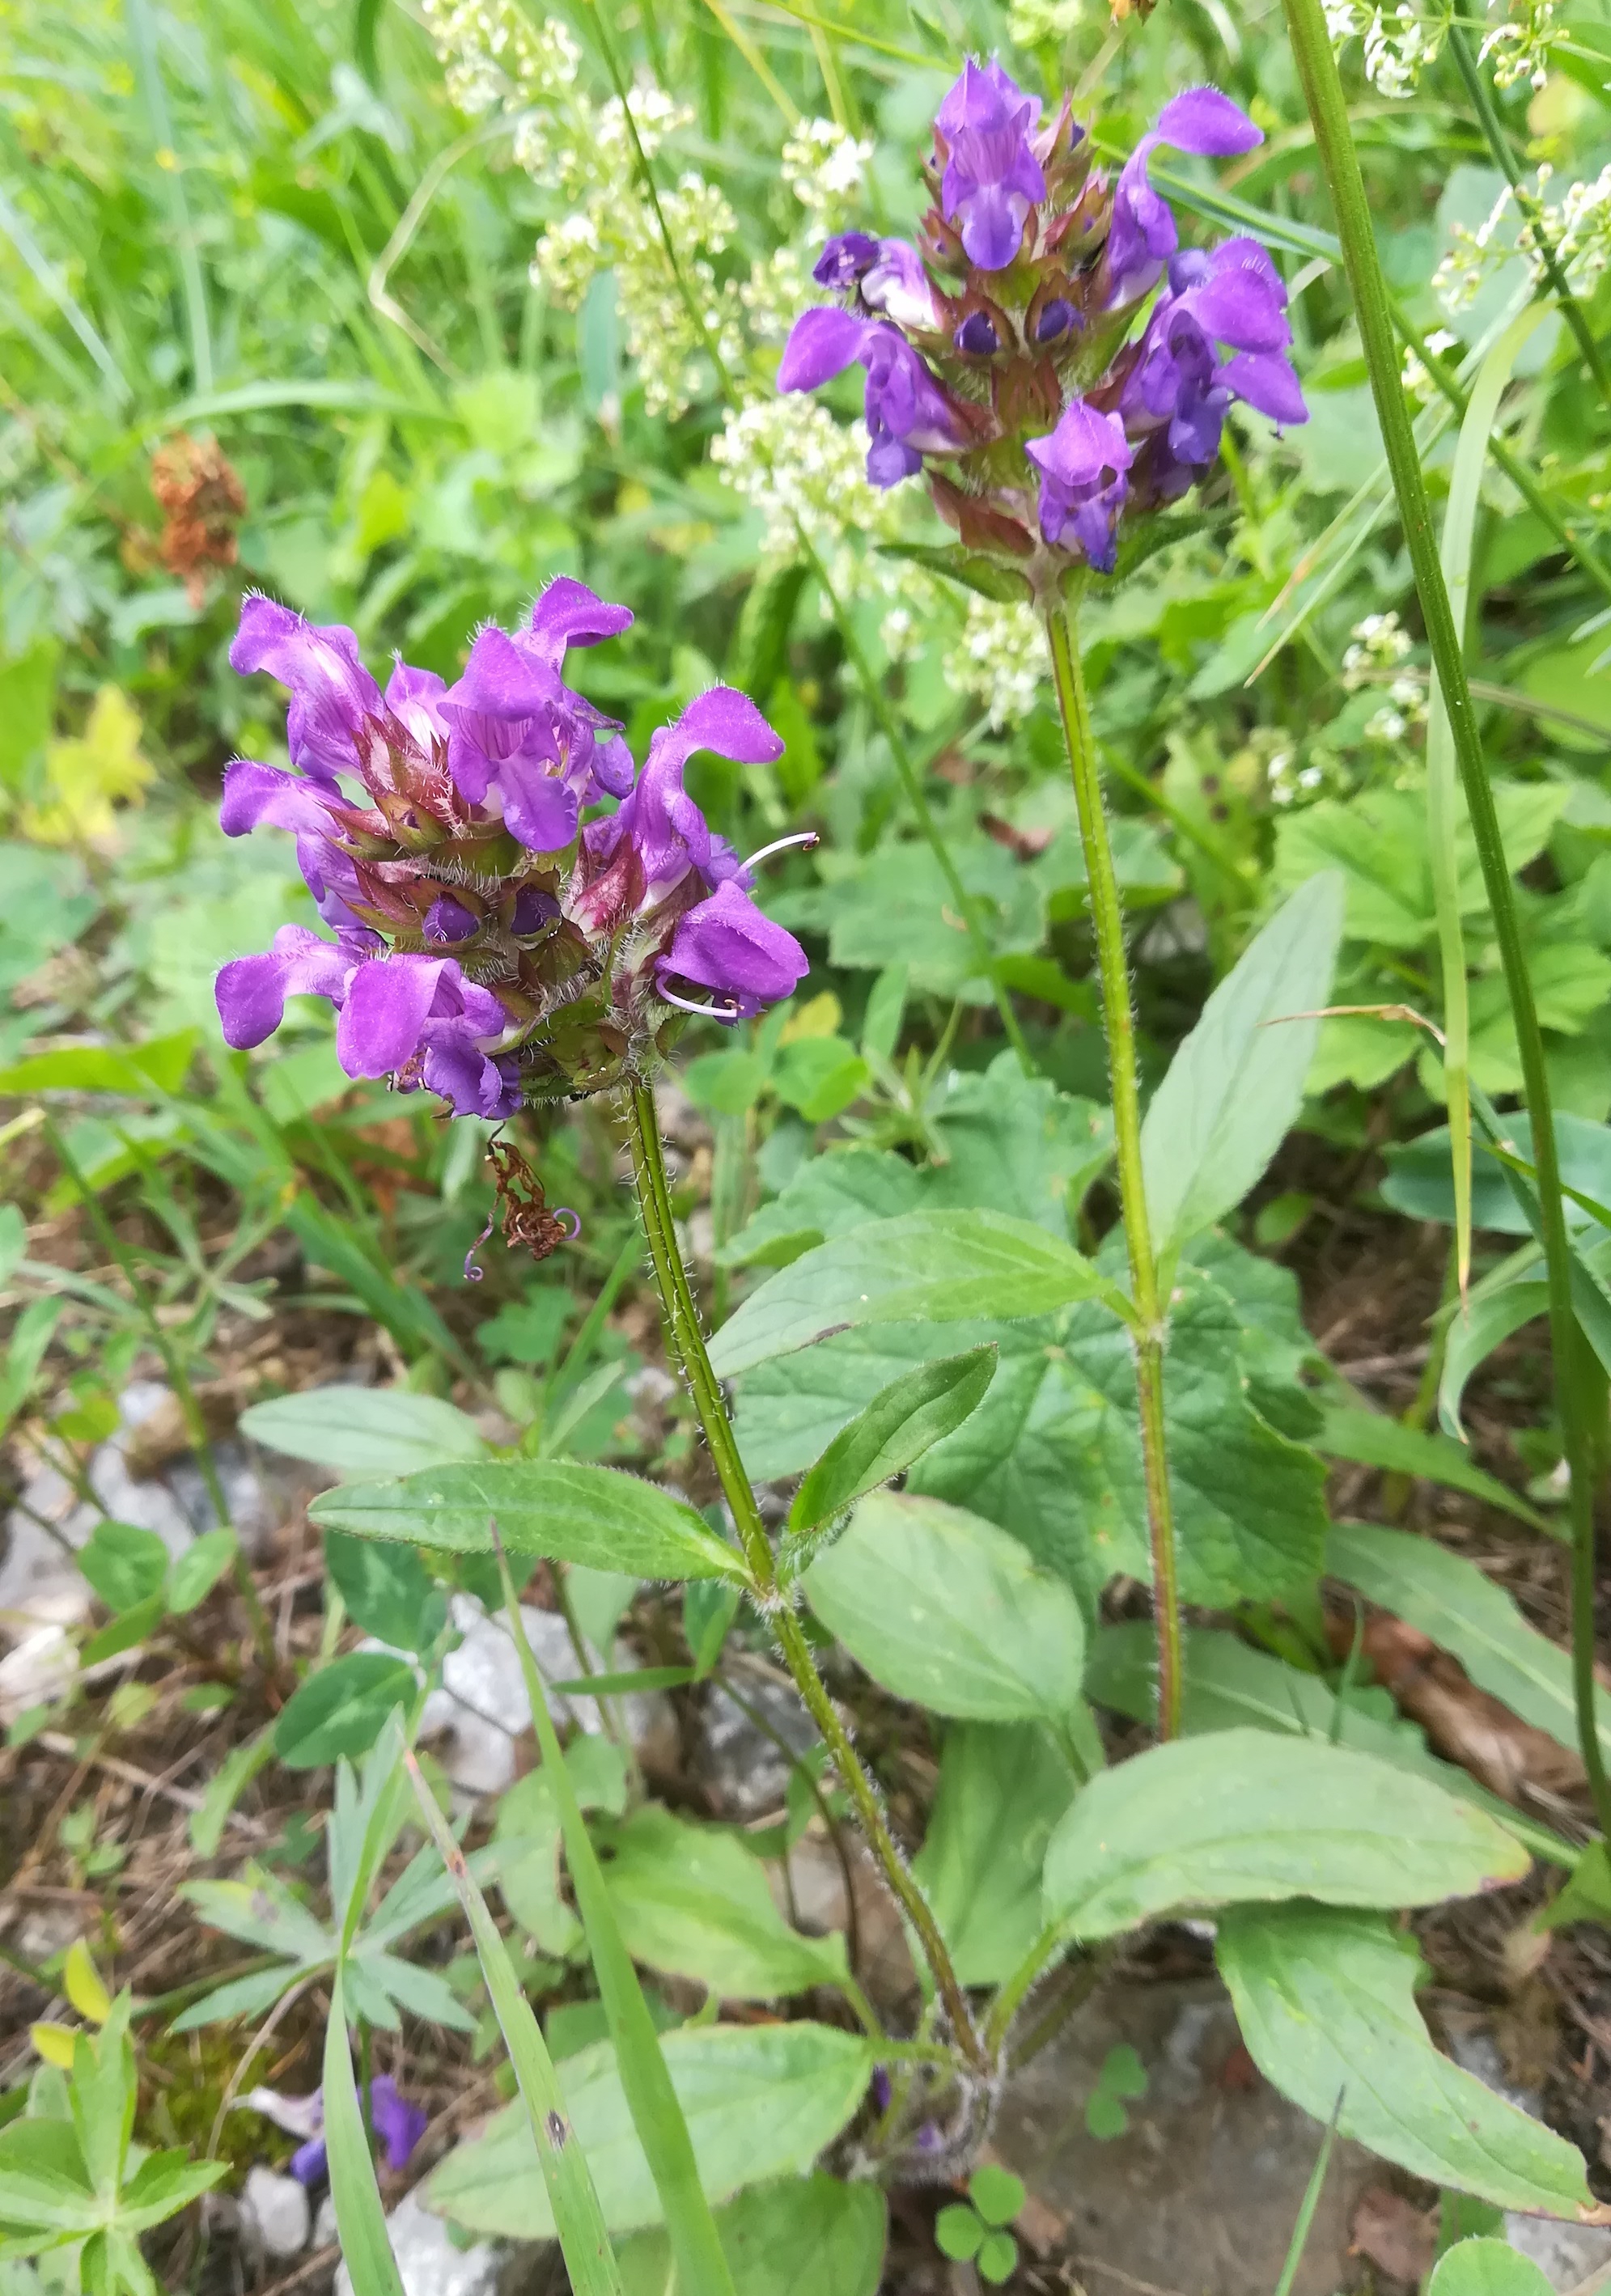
[1030, 23]
[825, 167]
[1399, 43]
[1381, 644]
[807, 476]
[1578, 228]
[1520, 46]
[1000, 660]
[491, 53]
[1415, 379]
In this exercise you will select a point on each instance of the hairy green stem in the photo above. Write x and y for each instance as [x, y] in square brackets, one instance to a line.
[911, 781]
[1532, 209]
[687, 1338]
[1108, 919]
[1580, 1412]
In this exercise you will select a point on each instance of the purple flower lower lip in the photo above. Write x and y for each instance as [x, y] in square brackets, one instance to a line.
[992, 178]
[1142, 236]
[728, 945]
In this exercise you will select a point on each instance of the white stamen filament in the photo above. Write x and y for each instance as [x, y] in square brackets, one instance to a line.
[804, 838]
[707, 1012]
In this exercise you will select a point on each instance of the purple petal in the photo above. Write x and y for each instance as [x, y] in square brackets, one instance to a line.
[540, 812]
[413, 696]
[844, 258]
[992, 228]
[385, 1009]
[724, 720]
[309, 2161]
[1266, 381]
[399, 2125]
[472, 1084]
[251, 992]
[533, 910]
[331, 692]
[612, 766]
[726, 945]
[900, 287]
[1085, 444]
[822, 343]
[1203, 121]
[255, 793]
[569, 614]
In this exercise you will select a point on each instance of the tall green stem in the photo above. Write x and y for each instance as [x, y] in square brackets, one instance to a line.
[911, 781]
[686, 1337]
[1107, 918]
[1328, 111]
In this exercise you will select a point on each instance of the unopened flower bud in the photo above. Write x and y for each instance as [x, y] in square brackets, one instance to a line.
[448, 919]
[977, 336]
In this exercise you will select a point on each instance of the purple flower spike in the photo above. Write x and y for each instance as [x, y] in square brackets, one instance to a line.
[1142, 236]
[728, 945]
[1082, 465]
[252, 991]
[992, 178]
[332, 693]
[506, 749]
[399, 2125]
[844, 259]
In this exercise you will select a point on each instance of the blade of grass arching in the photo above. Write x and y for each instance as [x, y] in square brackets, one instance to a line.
[192, 289]
[360, 2218]
[49, 278]
[1309, 2204]
[1442, 778]
[1580, 1391]
[751, 52]
[578, 2217]
[651, 2099]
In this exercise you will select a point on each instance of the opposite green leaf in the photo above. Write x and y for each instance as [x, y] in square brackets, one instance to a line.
[1326, 2002]
[1243, 1816]
[1486, 2268]
[364, 1431]
[760, 2101]
[896, 1429]
[938, 1267]
[572, 1513]
[1235, 1085]
[947, 1611]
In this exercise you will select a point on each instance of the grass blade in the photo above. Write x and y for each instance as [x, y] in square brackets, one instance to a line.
[578, 2216]
[1309, 2204]
[1442, 777]
[656, 2115]
[360, 2218]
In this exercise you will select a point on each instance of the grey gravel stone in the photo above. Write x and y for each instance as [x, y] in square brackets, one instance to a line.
[275, 2214]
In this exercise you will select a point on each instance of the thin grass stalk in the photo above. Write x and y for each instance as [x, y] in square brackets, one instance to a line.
[1581, 1411]
[1107, 918]
[1442, 783]
[193, 287]
[1531, 209]
[657, 2116]
[911, 781]
[686, 1340]
[578, 2218]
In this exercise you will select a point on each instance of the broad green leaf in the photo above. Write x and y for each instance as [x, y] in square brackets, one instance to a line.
[1420, 1185]
[163, 2184]
[896, 1429]
[945, 1610]
[1053, 1452]
[1374, 1439]
[339, 1711]
[692, 1901]
[387, 1589]
[572, 1513]
[527, 1833]
[1235, 1085]
[260, 1910]
[360, 2218]
[1325, 2001]
[131, 1070]
[1017, 1145]
[572, 2199]
[1244, 1816]
[1486, 2267]
[198, 1571]
[923, 1267]
[827, 1196]
[364, 1431]
[1465, 1613]
[43, 2184]
[804, 2236]
[761, 2102]
[1002, 1787]
[819, 1076]
[125, 1563]
[1230, 1685]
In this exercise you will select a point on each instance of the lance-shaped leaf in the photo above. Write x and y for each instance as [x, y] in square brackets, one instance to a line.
[595, 1516]
[1325, 2001]
[936, 1268]
[1243, 1816]
[896, 1428]
[947, 1610]
[364, 1431]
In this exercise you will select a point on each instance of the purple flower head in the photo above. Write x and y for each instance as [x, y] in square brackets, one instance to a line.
[1179, 386]
[332, 693]
[845, 259]
[728, 945]
[519, 742]
[907, 414]
[992, 177]
[1082, 465]
[1142, 235]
